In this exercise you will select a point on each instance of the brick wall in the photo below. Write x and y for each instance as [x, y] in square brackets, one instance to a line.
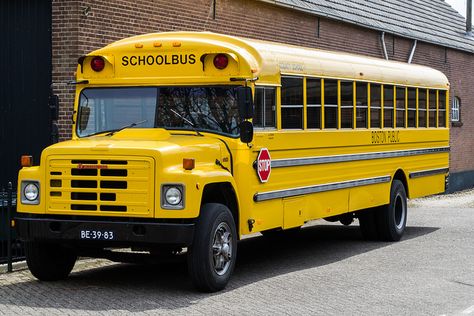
[76, 33]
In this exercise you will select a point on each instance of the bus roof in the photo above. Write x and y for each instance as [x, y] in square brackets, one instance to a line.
[269, 60]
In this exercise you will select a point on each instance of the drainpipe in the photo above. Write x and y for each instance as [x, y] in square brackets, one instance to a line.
[469, 17]
[382, 40]
[412, 53]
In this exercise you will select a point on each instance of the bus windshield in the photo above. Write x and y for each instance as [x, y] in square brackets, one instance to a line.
[211, 109]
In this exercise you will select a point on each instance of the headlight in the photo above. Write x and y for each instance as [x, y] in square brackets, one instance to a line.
[172, 197]
[30, 192]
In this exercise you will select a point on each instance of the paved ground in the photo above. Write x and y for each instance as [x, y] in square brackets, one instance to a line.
[326, 270]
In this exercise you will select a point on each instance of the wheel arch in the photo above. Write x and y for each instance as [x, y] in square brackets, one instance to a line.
[223, 193]
[401, 176]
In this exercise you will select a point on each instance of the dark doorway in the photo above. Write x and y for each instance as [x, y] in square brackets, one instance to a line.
[25, 69]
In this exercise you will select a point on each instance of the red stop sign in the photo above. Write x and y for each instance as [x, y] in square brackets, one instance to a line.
[264, 165]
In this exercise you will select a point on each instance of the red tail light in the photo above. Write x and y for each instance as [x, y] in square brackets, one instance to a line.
[221, 61]
[97, 63]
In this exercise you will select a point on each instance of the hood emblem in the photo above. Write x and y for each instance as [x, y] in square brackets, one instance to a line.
[83, 166]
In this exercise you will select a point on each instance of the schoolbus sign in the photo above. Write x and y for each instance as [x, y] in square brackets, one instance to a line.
[158, 60]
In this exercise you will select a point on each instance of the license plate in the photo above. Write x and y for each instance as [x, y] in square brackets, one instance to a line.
[97, 234]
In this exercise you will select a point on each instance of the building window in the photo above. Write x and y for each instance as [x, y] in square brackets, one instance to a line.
[313, 100]
[292, 103]
[456, 110]
[264, 114]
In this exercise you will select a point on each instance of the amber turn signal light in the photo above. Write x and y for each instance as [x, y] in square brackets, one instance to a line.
[188, 163]
[26, 161]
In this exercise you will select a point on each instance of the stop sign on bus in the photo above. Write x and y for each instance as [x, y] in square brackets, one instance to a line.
[264, 165]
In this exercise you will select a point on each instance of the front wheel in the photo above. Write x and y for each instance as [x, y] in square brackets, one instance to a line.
[49, 262]
[211, 258]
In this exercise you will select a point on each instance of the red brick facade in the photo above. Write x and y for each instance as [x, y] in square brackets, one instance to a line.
[82, 26]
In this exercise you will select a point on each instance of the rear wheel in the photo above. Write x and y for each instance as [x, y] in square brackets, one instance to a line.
[386, 222]
[211, 258]
[49, 262]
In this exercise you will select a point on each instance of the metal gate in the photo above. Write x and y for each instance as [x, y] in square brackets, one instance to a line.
[25, 71]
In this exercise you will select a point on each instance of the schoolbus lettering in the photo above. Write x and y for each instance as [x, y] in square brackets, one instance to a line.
[382, 137]
[150, 60]
[125, 61]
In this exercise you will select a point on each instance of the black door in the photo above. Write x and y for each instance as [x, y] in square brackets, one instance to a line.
[25, 72]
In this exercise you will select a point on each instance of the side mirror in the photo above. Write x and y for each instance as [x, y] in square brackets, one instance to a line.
[53, 103]
[245, 102]
[84, 118]
[246, 132]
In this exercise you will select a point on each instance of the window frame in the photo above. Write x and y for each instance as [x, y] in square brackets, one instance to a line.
[289, 106]
[458, 122]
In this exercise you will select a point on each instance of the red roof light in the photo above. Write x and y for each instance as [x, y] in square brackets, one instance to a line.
[221, 61]
[97, 63]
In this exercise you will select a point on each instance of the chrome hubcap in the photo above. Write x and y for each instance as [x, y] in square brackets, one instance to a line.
[222, 249]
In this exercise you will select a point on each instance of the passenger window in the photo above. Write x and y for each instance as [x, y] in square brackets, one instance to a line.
[388, 106]
[347, 104]
[441, 108]
[411, 107]
[421, 107]
[264, 114]
[361, 104]
[313, 100]
[375, 105]
[400, 101]
[330, 104]
[432, 108]
[291, 103]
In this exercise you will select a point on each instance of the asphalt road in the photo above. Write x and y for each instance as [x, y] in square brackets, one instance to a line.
[327, 269]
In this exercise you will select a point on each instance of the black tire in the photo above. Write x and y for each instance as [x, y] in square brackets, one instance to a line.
[392, 218]
[49, 262]
[368, 223]
[211, 258]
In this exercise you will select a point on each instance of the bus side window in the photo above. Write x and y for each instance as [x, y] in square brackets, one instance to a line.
[388, 106]
[375, 105]
[400, 101]
[347, 104]
[441, 108]
[264, 114]
[361, 104]
[432, 109]
[422, 107]
[313, 95]
[411, 107]
[330, 104]
[291, 103]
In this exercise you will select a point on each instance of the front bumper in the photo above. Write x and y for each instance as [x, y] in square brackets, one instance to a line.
[125, 233]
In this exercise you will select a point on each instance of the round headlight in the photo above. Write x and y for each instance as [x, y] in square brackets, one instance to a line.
[173, 196]
[31, 191]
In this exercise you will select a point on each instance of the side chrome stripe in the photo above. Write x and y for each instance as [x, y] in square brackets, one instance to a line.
[425, 173]
[270, 195]
[292, 162]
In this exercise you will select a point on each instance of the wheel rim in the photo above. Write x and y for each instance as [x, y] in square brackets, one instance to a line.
[222, 249]
[400, 212]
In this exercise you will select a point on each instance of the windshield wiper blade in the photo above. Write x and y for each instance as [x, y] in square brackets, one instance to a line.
[187, 121]
[113, 131]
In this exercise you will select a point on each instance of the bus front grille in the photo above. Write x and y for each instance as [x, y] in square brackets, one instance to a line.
[110, 186]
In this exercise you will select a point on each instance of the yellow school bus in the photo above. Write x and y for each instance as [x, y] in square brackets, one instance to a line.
[184, 142]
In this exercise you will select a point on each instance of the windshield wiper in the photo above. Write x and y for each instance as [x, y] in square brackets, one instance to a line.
[187, 121]
[113, 131]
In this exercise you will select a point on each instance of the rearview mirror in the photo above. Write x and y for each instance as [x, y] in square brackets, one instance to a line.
[246, 132]
[245, 102]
